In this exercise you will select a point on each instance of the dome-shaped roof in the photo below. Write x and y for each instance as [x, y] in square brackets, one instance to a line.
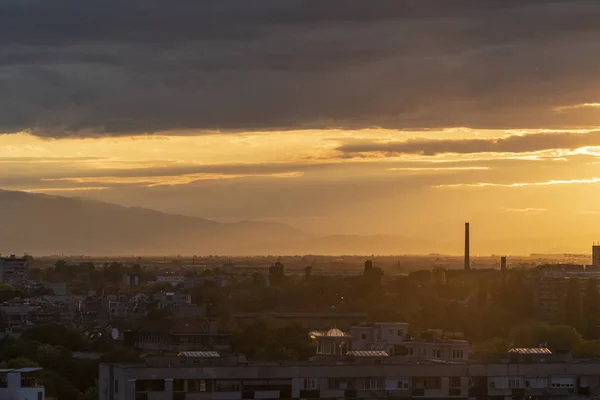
[335, 332]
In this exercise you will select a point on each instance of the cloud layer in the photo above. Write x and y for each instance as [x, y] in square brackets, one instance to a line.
[118, 67]
[510, 144]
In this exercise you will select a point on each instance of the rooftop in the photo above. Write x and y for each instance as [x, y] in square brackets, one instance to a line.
[367, 353]
[199, 354]
[534, 350]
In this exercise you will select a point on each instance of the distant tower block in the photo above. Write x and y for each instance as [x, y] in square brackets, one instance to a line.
[467, 248]
[503, 264]
[596, 255]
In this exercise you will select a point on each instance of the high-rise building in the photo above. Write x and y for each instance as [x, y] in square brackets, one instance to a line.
[596, 255]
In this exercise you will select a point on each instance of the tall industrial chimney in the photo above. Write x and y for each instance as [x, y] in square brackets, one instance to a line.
[467, 248]
[503, 263]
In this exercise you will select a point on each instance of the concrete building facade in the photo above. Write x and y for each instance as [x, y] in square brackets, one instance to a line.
[368, 378]
[21, 384]
[14, 270]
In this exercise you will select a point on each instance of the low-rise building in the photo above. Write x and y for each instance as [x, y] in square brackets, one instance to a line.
[14, 270]
[173, 335]
[394, 339]
[172, 280]
[21, 384]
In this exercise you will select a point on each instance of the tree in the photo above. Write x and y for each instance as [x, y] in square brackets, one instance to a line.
[276, 273]
[90, 393]
[8, 292]
[534, 334]
[591, 309]
[56, 335]
[573, 303]
[493, 346]
[483, 294]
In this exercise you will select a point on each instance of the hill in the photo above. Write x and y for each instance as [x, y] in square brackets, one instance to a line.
[42, 224]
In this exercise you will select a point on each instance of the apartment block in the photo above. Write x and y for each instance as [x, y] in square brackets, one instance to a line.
[367, 377]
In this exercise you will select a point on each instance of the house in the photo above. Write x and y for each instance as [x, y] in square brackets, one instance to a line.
[394, 339]
[21, 384]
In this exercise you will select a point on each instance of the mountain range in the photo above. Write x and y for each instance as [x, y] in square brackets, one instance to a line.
[41, 224]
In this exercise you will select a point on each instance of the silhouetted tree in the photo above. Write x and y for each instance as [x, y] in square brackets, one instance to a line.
[276, 273]
[573, 303]
[591, 310]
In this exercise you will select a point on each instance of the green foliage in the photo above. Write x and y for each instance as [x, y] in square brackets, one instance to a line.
[57, 335]
[573, 303]
[90, 393]
[493, 346]
[534, 334]
[267, 340]
[8, 292]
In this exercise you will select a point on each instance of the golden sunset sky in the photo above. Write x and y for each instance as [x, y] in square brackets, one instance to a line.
[352, 117]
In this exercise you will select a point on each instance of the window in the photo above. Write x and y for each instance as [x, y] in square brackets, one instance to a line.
[454, 381]
[369, 383]
[150, 385]
[410, 351]
[179, 385]
[457, 354]
[116, 386]
[514, 383]
[402, 384]
[196, 385]
[227, 386]
[337, 384]
[363, 336]
[309, 383]
[400, 332]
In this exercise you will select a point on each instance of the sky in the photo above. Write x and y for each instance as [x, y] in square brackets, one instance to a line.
[355, 117]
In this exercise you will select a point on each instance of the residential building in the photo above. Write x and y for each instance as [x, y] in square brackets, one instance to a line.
[18, 314]
[14, 270]
[21, 384]
[172, 299]
[117, 306]
[394, 339]
[208, 376]
[172, 280]
[131, 279]
[173, 335]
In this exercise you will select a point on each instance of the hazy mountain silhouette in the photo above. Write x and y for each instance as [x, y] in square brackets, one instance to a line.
[42, 224]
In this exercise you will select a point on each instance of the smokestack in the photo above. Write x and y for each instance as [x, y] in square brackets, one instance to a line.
[503, 264]
[467, 248]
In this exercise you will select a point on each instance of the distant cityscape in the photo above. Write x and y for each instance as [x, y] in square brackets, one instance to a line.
[179, 338]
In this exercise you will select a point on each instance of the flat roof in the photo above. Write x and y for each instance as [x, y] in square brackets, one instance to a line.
[25, 369]
[199, 354]
[533, 350]
[367, 353]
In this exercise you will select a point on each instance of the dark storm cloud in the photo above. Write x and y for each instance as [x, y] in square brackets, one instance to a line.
[510, 144]
[117, 67]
